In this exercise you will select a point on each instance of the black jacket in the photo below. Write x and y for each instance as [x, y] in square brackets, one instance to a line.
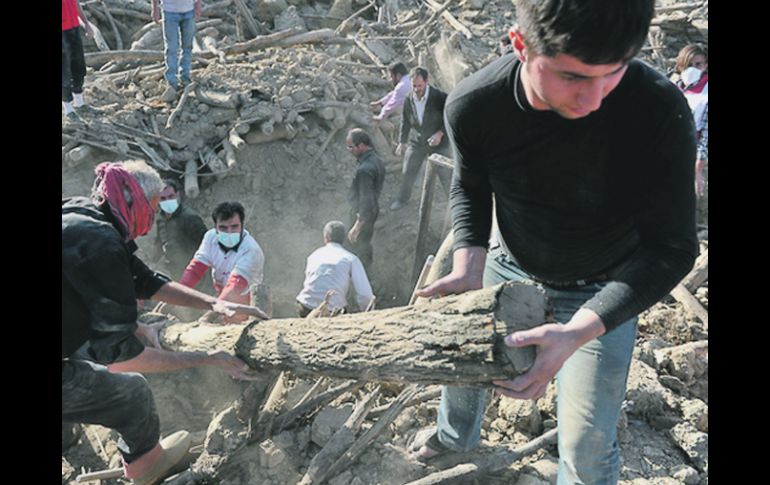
[101, 280]
[433, 120]
[367, 186]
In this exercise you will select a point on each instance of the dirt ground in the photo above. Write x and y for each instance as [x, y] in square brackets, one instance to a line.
[290, 192]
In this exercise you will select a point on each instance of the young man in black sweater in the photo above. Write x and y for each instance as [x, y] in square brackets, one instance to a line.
[589, 155]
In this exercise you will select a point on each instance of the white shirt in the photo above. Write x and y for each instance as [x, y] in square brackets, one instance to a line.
[419, 104]
[332, 267]
[248, 261]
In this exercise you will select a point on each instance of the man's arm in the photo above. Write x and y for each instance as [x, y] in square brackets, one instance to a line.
[399, 94]
[178, 294]
[157, 360]
[361, 284]
[406, 123]
[84, 20]
[198, 9]
[155, 11]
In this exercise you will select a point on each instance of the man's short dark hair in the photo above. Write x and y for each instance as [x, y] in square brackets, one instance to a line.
[594, 31]
[419, 71]
[358, 136]
[226, 210]
[172, 183]
[397, 68]
[335, 231]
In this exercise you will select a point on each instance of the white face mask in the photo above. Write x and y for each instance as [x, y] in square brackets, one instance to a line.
[229, 239]
[691, 75]
[169, 206]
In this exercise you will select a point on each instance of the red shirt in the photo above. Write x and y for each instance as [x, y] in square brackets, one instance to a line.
[69, 14]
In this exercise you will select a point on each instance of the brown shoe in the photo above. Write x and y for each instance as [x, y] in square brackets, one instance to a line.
[173, 449]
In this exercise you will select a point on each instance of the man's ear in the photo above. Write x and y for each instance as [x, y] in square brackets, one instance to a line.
[517, 42]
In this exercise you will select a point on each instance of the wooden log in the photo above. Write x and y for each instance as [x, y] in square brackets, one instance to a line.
[455, 340]
[216, 98]
[191, 179]
[283, 132]
[260, 42]
[363, 442]
[340, 441]
[690, 303]
[500, 460]
[182, 100]
[230, 159]
[450, 19]
[314, 37]
[699, 273]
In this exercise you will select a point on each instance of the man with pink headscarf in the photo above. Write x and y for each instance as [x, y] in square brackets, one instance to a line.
[101, 281]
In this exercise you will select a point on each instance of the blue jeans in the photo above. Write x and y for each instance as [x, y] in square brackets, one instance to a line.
[176, 25]
[591, 386]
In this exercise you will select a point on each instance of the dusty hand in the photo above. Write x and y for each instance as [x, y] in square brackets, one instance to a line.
[233, 366]
[435, 140]
[451, 284]
[88, 29]
[400, 149]
[554, 346]
[150, 333]
[229, 309]
[198, 9]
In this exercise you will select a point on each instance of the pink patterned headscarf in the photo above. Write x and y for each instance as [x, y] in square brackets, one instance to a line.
[111, 179]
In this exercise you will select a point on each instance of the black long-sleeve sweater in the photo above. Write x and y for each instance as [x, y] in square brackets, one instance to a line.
[608, 195]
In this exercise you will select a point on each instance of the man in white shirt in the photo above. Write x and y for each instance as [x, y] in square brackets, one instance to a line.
[332, 267]
[235, 258]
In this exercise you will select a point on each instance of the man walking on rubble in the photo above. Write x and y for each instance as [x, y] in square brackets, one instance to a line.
[589, 156]
[421, 133]
[73, 62]
[332, 267]
[235, 258]
[179, 18]
[101, 281]
[364, 194]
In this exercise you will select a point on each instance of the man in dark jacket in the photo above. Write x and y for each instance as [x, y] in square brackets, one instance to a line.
[101, 281]
[422, 128]
[364, 194]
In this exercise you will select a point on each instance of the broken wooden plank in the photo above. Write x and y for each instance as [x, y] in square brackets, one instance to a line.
[289, 418]
[340, 441]
[175, 113]
[699, 273]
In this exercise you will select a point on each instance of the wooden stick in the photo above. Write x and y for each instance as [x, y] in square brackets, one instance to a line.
[100, 475]
[699, 273]
[466, 472]
[156, 136]
[371, 304]
[118, 38]
[287, 419]
[180, 105]
[263, 428]
[361, 444]
[313, 389]
[431, 19]
[340, 441]
[343, 25]
[250, 22]
[432, 392]
[191, 179]
[421, 280]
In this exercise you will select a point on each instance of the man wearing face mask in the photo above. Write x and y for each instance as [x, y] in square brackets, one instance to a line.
[235, 258]
[177, 233]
